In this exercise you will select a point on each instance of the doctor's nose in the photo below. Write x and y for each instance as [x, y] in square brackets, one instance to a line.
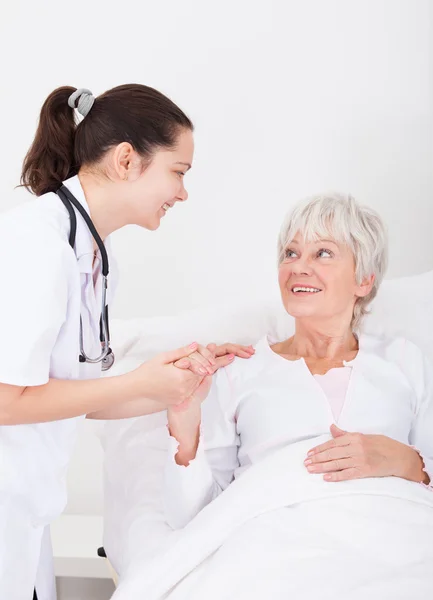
[183, 195]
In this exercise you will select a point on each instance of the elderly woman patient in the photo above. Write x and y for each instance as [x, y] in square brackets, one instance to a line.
[373, 395]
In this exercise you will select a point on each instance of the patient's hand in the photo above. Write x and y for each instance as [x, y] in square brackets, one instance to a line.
[207, 360]
[355, 455]
[184, 419]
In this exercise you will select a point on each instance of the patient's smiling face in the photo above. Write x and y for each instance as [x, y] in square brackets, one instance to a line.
[317, 280]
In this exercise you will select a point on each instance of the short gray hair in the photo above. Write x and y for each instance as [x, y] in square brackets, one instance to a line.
[359, 227]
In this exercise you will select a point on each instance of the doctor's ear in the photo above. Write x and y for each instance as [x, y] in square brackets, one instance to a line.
[124, 161]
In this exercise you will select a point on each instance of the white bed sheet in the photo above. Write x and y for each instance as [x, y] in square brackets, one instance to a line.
[297, 537]
[135, 448]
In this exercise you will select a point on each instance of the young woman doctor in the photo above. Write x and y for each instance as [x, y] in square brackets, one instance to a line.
[124, 163]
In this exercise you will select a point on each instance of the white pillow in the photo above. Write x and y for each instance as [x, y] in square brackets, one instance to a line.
[135, 449]
[403, 306]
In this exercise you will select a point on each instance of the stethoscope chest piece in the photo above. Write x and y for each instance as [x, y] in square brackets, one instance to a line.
[108, 361]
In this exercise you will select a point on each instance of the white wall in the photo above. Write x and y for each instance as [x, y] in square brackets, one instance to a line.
[288, 98]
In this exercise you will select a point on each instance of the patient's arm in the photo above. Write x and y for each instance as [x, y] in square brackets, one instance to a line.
[208, 454]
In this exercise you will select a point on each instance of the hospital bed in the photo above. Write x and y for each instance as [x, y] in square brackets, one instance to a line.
[135, 449]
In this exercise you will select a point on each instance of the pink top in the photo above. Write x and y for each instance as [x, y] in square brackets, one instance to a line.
[334, 384]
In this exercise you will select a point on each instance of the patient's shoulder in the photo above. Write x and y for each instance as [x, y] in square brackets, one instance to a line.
[229, 382]
[243, 369]
[396, 349]
[401, 352]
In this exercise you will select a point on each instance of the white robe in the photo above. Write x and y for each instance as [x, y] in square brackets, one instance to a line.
[267, 402]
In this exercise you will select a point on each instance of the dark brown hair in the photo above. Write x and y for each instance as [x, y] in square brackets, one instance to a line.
[133, 113]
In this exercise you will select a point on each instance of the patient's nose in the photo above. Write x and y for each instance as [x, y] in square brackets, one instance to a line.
[302, 266]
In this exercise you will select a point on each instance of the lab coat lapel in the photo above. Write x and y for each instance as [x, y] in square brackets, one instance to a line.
[90, 309]
[91, 291]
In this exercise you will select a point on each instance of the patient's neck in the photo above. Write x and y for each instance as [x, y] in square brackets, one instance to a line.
[322, 341]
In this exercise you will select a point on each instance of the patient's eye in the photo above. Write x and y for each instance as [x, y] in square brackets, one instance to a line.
[324, 253]
[289, 253]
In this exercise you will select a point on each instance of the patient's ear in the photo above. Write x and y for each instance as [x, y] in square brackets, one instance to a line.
[363, 289]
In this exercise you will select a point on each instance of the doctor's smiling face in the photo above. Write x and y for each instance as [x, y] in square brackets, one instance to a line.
[131, 151]
[151, 187]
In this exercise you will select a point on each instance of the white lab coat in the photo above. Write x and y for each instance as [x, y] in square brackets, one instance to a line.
[45, 286]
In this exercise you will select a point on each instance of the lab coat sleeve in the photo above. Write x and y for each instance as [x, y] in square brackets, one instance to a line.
[33, 303]
[421, 434]
[187, 490]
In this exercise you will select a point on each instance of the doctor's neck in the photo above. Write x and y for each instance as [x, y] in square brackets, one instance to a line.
[102, 196]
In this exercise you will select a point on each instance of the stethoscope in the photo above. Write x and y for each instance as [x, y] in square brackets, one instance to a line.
[107, 355]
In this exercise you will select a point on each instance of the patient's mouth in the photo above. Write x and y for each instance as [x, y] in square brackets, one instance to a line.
[301, 290]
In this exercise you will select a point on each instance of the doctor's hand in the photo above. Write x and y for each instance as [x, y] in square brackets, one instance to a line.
[356, 455]
[207, 360]
[160, 380]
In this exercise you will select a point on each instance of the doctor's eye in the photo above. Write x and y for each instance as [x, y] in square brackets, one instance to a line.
[180, 174]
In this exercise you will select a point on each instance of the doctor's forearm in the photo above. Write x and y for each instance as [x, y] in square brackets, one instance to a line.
[64, 399]
[128, 410]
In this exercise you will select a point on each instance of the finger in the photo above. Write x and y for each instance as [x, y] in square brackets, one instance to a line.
[197, 369]
[330, 454]
[183, 363]
[344, 475]
[336, 431]
[331, 466]
[236, 349]
[207, 355]
[173, 355]
[197, 358]
[211, 348]
[344, 440]
[223, 361]
[192, 365]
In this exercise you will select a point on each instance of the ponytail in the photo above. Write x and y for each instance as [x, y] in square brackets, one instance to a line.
[50, 159]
